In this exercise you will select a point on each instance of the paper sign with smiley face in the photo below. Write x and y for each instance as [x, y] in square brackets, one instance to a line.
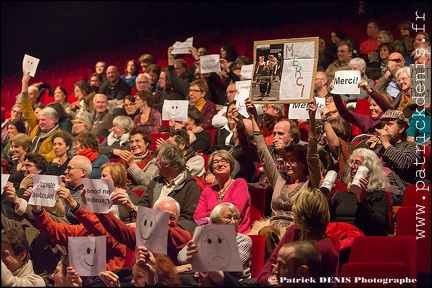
[175, 109]
[217, 249]
[87, 254]
[30, 64]
[152, 229]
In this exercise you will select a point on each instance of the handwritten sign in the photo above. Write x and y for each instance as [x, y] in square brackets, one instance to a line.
[30, 64]
[152, 229]
[97, 195]
[243, 91]
[175, 109]
[210, 63]
[246, 71]
[87, 254]
[182, 47]
[44, 190]
[284, 70]
[217, 249]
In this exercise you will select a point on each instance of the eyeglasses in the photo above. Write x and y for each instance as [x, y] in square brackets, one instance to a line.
[342, 51]
[222, 161]
[231, 217]
[396, 60]
[195, 90]
[356, 163]
[403, 79]
[68, 168]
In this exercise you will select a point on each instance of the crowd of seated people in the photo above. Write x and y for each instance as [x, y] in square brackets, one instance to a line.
[189, 168]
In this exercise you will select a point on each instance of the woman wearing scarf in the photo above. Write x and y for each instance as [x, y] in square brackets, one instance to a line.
[118, 139]
[87, 144]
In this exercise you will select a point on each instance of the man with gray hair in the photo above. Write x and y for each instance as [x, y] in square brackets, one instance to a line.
[102, 118]
[42, 126]
[173, 180]
[143, 82]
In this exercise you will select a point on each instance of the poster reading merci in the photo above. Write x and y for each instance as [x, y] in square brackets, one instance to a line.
[44, 190]
[97, 195]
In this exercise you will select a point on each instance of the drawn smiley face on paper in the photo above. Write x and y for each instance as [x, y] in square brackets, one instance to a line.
[215, 249]
[88, 255]
[148, 224]
[174, 110]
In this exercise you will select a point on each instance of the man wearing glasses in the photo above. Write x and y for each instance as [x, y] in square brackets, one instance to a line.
[79, 167]
[388, 81]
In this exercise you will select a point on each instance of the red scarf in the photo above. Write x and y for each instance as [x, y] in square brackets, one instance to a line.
[89, 153]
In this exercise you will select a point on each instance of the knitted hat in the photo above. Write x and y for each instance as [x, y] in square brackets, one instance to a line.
[391, 114]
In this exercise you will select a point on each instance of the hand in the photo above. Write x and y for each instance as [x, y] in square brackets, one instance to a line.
[27, 193]
[73, 278]
[278, 144]
[311, 108]
[66, 195]
[223, 64]
[362, 194]
[159, 142]
[210, 179]
[128, 157]
[364, 85]
[371, 140]
[331, 86]
[383, 136]
[194, 52]
[191, 250]
[27, 181]
[250, 108]
[26, 78]
[122, 198]
[110, 278]
[11, 195]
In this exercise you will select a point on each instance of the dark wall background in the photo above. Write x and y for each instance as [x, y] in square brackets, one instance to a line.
[53, 31]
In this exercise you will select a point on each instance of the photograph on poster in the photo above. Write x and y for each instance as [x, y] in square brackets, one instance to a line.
[284, 70]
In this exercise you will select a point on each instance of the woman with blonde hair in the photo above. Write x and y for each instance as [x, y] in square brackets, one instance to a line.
[368, 210]
[221, 164]
[123, 199]
[311, 217]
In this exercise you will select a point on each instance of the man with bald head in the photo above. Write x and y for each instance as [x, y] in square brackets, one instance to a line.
[388, 81]
[114, 87]
[320, 88]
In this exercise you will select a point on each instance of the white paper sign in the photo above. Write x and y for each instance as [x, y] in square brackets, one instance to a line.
[346, 82]
[393, 89]
[299, 110]
[97, 195]
[87, 254]
[30, 64]
[243, 92]
[210, 63]
[4, 180]
[246, 71]
[44, 190]
[217, 249]
[182, 47]
[152, 229]
[175, 109]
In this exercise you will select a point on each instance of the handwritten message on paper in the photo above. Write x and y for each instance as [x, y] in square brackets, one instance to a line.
[182, 47]
[243, 91]
[44, 190]
[97, 195]
[299, 110]
[210, 63]
[346, 82]
[284, 70]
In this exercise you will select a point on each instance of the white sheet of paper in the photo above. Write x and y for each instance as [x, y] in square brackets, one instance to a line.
[152, 229]
[393, 89]
[44, 190]
[97, 195]
[346, 82]
[246, 71]
[175, 109]
[299, 110]
[4, 180]
[30, 64]
[217, 249]
[243, 92]
[182, 47]
[87, 254]
[210, 63]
